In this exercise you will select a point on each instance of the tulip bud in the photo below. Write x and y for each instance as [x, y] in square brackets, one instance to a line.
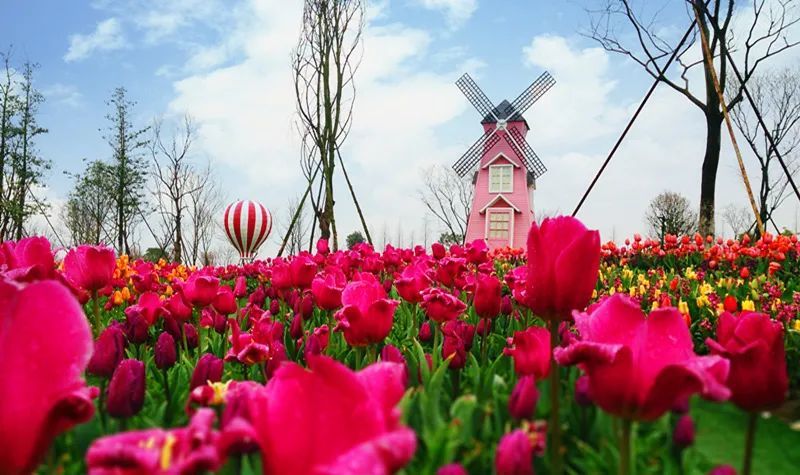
[484, 327]
[209, 368]
[274, 307]
[109, 349]
[488, 296]
[425, 333]
[506, 306]
[451, 469]
[522, 403]
[438, 250]
[165, 354]
[582, 395]
[681, 406]
[240, 288]
[125, 396]
[514, 454]
[393, 354]
[258, 297]
[136, 327]
[306, 307]
[296, 330]
[683, 434]
[191, 335]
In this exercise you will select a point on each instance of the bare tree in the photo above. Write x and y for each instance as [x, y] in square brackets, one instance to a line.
[448, 198]
[324, 64]
[203, 205]
[634, 29]
[670, 213]
[776, 94]
[738, 218]
[174, 180]
[299, 231]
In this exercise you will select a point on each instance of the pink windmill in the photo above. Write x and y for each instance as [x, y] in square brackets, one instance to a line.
[502, 203]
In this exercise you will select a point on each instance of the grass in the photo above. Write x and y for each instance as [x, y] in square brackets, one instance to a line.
[720, 438]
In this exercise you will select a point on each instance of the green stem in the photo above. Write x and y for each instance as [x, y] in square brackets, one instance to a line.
[167, 413]
[96, 310]
[555, 422]
[437, 338]
[625, 447]
[100, 406]
[483, 343]
[749, 443]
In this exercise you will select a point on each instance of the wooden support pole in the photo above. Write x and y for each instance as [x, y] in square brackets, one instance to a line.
[355, 200]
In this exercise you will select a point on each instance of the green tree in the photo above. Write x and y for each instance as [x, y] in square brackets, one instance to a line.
[128, 168]
[354, 238]
[88, 214]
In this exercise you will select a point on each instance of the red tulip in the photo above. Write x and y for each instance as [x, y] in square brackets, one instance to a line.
[200, 290]
[441, 306]
[425, 333]
[356, 431]
[438, 250]
[109, 350]
[523, 399]
[208, 368]
[753, 343]
[530, 349]
[638, 365]
[452, 469]
[477, 251]
[323, 248]
[488, 289]
[302, 269]
[327, 288]
[240, 288]
[367, 315]
[149, 306]
[178, 308]
[458, 338]
[563, 265]
[90, 267]
[165, 354]
[514, 454]
[125, 395]
[224, 302]
[684, 432]
[45, 344]
[730, 304]
[412, 281]
[190, 449]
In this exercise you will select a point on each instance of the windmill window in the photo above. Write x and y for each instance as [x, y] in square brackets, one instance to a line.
[499, 225]
[501, 178]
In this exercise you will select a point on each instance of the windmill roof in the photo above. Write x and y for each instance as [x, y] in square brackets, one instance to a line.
[504, 111]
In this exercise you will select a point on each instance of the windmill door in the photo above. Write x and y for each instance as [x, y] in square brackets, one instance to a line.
[499, 227]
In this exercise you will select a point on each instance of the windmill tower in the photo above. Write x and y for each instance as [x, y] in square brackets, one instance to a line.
[502, 202]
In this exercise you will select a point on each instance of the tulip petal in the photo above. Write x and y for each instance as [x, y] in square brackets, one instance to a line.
[45, 344]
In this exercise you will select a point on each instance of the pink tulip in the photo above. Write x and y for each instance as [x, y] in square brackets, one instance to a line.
[200, 290]
[356, 431]
[563, 265]
[638, 365]
[441, 306]
[29, 259]
[530, 349]
[488, 295]
[367, 315]
[178, 308]
[45, 345]
[240, 288]
[523, 399]
[109, 350]
[190, 449]
[458, 338]
[149, 306]
[302, 269]
[412, 281]
[327, 288]
[90, 267]
[514, 454]
[224, 302]
[208, 368]
[126, 390]
[753, 342]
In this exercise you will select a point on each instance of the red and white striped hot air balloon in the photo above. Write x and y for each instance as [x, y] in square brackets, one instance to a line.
[247, 224]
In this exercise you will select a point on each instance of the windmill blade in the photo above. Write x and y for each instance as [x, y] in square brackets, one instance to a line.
[475, 95]
[533, 92]
[475, 152]
[532, 162]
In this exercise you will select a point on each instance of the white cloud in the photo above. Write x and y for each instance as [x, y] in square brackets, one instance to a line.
[457, 11]
[246, 113]
[66, 94]
[107, 36]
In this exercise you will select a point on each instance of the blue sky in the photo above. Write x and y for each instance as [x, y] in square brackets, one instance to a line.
[226, 63]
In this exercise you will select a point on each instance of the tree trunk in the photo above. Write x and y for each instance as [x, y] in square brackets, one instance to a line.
[709, 176]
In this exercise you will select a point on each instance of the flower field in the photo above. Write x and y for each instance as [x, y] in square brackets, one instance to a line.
[565, 357]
